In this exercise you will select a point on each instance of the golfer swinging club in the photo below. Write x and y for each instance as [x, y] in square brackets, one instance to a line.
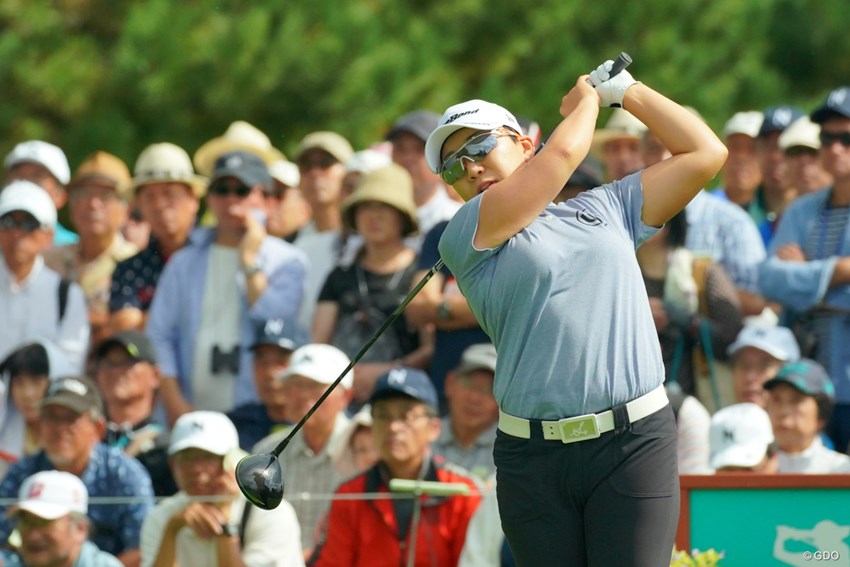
[586, 448]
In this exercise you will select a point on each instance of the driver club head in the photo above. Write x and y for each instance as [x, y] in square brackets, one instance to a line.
[260, 479]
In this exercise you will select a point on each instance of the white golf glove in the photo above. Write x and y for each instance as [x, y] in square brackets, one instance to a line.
[611, 89]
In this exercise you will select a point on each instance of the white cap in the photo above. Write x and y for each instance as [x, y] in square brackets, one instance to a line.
[285, 172]
[208, 431]
[801, 132]
[739, 436]
[778, 342]
[20, 195]
[476, 114]
[53, 494]
[366, 161]
[747, 123]
[51, 157]
[320, 363]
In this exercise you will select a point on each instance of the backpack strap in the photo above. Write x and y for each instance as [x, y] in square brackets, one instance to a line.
[62, 290]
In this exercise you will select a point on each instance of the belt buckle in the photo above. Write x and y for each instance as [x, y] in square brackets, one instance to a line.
[580, 428]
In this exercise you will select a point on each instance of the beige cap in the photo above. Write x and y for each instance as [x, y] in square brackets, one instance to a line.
[240, 136]
[105, 170]
[167, 163]
[802, 132]
[622, 125]
[747, 122]
[391, 185]
[330, 142]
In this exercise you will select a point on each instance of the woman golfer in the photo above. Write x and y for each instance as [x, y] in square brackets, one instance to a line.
[586, 448]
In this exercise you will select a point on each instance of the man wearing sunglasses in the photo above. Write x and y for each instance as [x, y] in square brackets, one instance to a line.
[217, 288]
[34, 301]
[808, 270]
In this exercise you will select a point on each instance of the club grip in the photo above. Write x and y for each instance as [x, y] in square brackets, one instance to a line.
[621, 62]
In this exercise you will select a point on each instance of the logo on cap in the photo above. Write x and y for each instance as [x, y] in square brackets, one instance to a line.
[782, 116]
[397, 377]
[273, 327]
[454, 117]
[836, 97]
[728, 435]
[70, 385]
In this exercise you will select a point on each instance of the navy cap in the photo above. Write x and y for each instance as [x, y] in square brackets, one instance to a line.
[405, 382]
[248, 168]
[805, 375]
[837, 103]
[137, 345]
[285, 333]
[778, 118]
[420, 123]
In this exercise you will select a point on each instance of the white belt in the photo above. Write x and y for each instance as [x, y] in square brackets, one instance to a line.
[584, 427]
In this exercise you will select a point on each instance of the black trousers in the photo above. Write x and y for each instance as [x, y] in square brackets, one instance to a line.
[610, 501]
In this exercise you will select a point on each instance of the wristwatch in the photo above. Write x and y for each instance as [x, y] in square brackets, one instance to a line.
[229, 530]
[444, 311]
[251, 271]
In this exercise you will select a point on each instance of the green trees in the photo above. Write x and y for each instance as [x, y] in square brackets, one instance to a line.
[90, 74]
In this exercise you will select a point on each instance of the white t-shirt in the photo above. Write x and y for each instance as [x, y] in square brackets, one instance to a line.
[272, 537]
[817, 459]
[440, 207]
[218, 331]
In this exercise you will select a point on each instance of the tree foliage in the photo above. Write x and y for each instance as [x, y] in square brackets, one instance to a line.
[101, 74]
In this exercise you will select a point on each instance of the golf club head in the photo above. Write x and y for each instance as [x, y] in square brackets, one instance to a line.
[260, 479]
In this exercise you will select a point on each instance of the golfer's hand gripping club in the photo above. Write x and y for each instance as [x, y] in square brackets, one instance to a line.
[611, 80]
[260, 477]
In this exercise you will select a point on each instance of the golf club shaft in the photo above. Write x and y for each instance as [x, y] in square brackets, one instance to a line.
[390, 320]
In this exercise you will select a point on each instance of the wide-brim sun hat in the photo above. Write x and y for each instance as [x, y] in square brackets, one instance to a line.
[621, 125]
[476, 114]
[167, 163]
[391, 185]
[240, 136]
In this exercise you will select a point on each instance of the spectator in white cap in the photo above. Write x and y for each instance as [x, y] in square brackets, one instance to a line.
[308, 464]
[757, 354]
[167, 193]
[51, 522]
[408, 135]
[741, 440]
[46, 166]
[208, 522]
[288, 211]
[741, 174]
[469, 430]
[363, 161]
[34, 300]
[801, 144]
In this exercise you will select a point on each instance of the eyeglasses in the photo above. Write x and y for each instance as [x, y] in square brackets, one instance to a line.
[23, 223]
[828, 138]
[321, 160]
[473, 150]
[223, 190]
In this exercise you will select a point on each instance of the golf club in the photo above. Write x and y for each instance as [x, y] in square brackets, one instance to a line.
[260, 477]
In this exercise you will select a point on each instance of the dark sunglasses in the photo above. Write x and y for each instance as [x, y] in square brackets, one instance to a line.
[473, 150]
[827, 139]
[322, 161]
[24, 224]
[223, 190]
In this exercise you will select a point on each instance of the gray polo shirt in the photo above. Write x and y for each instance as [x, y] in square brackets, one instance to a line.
[564, 302]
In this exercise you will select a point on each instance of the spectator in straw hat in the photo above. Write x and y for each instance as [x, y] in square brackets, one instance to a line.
[46, 166]
[167, 192]
[801, 144]
[51, 521]
[35, 302]
[99, 192]
[355, 300]
[618, 144]
[217, 288]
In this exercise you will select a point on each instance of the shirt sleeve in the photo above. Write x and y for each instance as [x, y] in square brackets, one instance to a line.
[162, 323]
[455, 245]
[622, 199]
[74, 331]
